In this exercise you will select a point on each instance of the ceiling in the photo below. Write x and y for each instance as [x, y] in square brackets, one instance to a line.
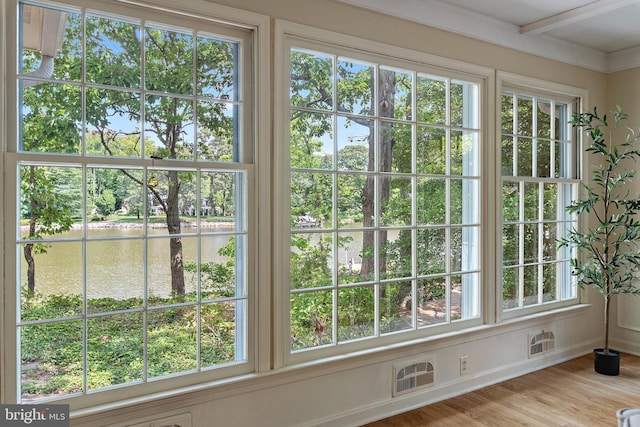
[603, 35]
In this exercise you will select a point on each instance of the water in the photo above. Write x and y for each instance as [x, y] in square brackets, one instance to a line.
[115, 268]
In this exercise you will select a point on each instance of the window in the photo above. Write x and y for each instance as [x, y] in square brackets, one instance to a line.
[384, 201]
[539, 178]
[134, 209]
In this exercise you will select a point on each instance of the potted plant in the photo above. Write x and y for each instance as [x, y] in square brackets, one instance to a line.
[607, 255]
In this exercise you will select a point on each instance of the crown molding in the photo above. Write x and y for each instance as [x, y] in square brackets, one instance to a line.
[470, 24]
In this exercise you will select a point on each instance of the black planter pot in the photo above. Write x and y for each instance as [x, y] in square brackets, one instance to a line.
[606, 364]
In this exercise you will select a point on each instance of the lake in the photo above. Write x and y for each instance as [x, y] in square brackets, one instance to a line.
[115, 267]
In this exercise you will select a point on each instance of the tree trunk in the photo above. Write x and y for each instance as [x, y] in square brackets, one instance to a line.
[28, 248]
[386, 90]
[173, 224]
[607, 302]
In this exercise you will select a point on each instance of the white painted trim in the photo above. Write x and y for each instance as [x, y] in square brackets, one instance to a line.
[4, 333]
[571, 16]
[460, 21]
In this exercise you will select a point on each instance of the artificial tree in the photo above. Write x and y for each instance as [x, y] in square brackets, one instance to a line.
[607, 244]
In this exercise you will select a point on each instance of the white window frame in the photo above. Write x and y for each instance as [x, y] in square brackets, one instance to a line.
[549, 90]
[290, 35]
[257, 172]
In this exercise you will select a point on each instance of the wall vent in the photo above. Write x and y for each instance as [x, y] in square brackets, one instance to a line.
[181, 420]
[409, 377]
[541, 342]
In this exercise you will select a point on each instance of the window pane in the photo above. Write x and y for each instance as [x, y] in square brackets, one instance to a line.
[530, 285]
[216, 134]
[431, 151]
[311, 202]
[395, 203]
[114, 358]
[313, 85]
[47, 36]
[531, 201]
[51, 280]
[50, 118]
[395, 307]
[219, 207]
[166, 284]
[115, 275]
[432, 254]
[168, 61]
[311, 319]
[507, 156]
[510, 201]
[394, 262]
[113, 52]
[507, 113]
[432, 100]
[51, 360]
[525, 116]
[465, 206]
[401, 101]
[354, 139]
[350, 258]
[311, 260]
[432, 206]
[550, 201]
[355, 313]
[218, 278]
[351, 187]
[510, 288]
[311, 144]
[543, 158]
[525, 157]
[353, 95]
[169, 126]
[465, 153]
[544, 118]
[400, 156]
[510, 244]
[432, 301]
[113, 120]
[464, 110]
[172, 331]
[221, 336]
[50, 201]
[217, 64]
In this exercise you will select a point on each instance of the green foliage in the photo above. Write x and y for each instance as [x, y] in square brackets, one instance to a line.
[608, 251]
[52, 360]
[106, 202]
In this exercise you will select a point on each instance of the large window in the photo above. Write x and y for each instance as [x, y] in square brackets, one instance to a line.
[384, 199]
[539, 178]
[133, 204]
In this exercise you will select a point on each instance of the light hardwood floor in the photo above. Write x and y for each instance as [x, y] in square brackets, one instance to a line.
[568, 394]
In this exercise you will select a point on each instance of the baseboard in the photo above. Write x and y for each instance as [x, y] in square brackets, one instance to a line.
[394, 406]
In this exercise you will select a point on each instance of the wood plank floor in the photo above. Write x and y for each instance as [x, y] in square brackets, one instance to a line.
[568, 394]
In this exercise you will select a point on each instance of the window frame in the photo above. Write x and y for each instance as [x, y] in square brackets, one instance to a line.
[578, 98]
[255, 62]
[293, 35]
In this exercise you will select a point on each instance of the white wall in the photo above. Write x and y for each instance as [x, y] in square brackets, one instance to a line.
[622, 89]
